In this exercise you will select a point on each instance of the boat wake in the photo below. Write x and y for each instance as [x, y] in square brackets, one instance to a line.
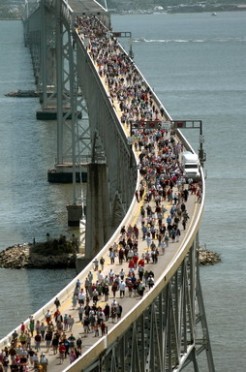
[215, 40]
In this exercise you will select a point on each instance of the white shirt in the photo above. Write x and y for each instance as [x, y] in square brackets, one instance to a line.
[122, 286]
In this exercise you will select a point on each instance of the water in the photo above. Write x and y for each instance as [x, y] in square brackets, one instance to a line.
[196, 65]
[29, 206]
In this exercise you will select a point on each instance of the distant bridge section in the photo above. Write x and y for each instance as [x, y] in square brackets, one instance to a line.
[89, 138]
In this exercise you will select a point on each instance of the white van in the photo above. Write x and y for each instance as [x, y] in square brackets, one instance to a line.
[191, 165]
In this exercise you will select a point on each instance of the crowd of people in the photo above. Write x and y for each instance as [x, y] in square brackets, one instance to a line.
[162, 197]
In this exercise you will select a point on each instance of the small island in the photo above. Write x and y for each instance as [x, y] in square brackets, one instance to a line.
[207, 257]
[51, 254]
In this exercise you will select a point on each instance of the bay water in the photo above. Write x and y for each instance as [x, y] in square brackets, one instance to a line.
[196, 64]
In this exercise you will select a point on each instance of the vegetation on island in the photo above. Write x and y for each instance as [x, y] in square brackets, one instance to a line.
[55, 247]
[10, 9]
[53, 253]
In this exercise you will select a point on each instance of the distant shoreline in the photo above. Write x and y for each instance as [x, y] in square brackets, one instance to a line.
[179, 11]
[6, 15]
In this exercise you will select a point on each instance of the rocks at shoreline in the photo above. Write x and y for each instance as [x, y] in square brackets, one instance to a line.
[29, 256]
[39, 256]
[207, 257]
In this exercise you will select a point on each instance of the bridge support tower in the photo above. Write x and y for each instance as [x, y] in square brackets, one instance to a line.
[97, 210]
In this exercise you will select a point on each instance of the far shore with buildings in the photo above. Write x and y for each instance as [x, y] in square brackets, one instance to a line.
[12, 10]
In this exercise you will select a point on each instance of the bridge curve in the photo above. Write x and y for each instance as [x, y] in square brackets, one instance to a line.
[166, 328]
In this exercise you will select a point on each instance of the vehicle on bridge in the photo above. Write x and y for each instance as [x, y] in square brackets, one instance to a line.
[191, 165]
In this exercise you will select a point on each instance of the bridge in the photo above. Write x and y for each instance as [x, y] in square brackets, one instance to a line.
[112, 127]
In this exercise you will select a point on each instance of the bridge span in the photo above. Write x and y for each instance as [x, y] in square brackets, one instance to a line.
[138, 201]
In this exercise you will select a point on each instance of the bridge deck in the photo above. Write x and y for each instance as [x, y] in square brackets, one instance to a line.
[127, 303]
[85, 6]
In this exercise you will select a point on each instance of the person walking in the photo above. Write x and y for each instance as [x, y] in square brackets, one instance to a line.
[57, 303]
[122, 288]
[37, 340]
[43, 362]
[102, 262]
[62, 350]
[31, 325]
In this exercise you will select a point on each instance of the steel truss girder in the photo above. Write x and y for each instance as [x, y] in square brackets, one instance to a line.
[30, 7]
[46, 81]
[122, 174]
[73, 139]
[166, 336]
[34, 45]
[53, 53]
[69, 15]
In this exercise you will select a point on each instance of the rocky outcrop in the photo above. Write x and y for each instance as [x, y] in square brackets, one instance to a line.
[25, 256]
[15, 257]
[22, 93]
[207, 257]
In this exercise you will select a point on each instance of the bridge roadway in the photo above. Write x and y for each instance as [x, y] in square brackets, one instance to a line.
[163, 270]
[127, 303]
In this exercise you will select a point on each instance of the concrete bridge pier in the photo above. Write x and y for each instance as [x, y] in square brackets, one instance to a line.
[98, 229]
